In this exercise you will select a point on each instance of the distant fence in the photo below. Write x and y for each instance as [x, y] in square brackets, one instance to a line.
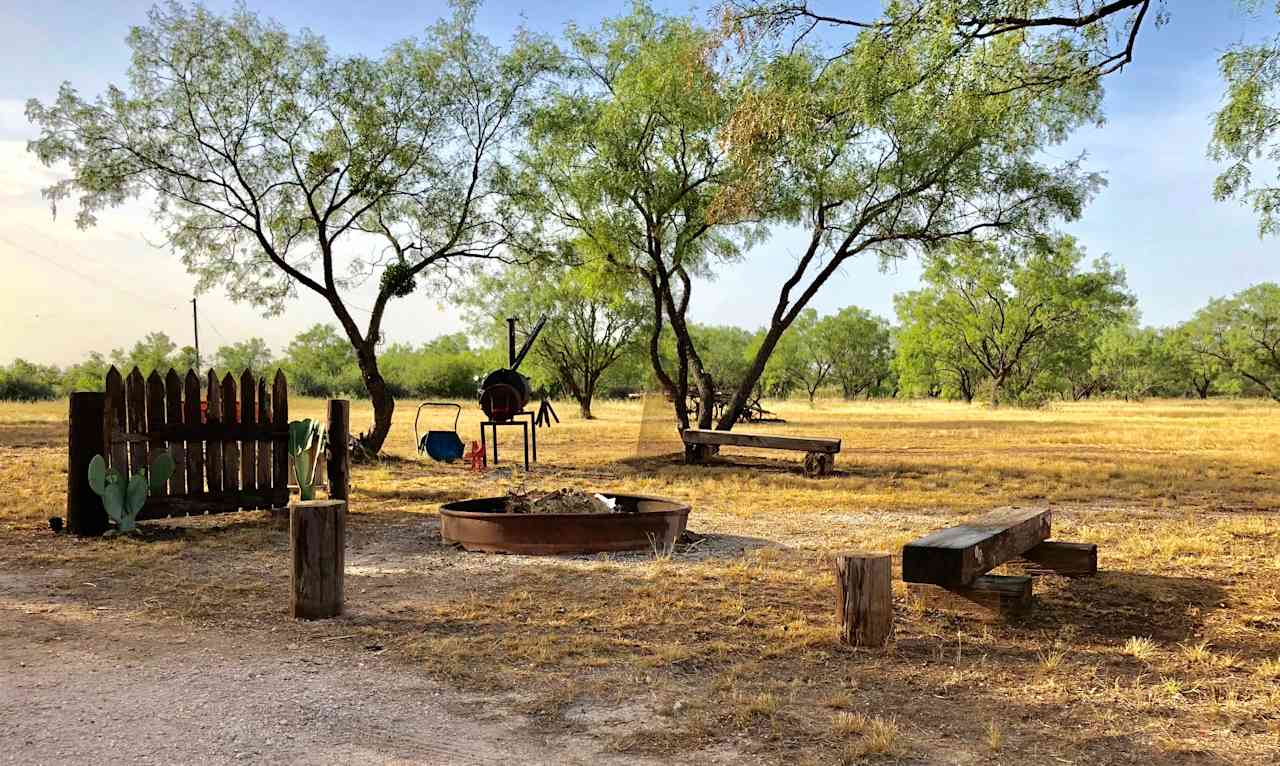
[229, 447]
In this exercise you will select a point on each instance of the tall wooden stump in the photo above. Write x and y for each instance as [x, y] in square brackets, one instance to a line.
[864, 598]
[339, 462]
[317, 545]
[86, 437]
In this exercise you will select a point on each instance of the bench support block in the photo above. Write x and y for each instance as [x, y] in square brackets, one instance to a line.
[1003, 596]
[819, 463]
[1060, 558]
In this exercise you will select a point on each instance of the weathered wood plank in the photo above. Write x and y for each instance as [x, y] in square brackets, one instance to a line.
[195, 444]
[762, 441]
[114, 417]
[135, 397]
[864, 598]
[280, 422]
[230, 448]
[957, 555]
[213, 445]
[197, 504]
[178, 447]
[248, 447]
[1061, 558]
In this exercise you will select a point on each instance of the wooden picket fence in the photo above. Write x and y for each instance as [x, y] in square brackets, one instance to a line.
[230, 449]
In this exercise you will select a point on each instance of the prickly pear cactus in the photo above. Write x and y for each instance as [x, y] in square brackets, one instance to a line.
[123, 498]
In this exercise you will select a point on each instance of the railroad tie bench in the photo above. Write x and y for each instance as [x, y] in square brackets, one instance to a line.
[820, 452]
[956, 560]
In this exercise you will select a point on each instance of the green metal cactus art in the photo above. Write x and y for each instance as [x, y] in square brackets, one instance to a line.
[123, 498]
[305, 455]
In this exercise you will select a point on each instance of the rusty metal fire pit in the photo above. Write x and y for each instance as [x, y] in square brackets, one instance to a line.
[483, 525]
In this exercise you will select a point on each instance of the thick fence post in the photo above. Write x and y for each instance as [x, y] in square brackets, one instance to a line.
[339, 463]
[86, 437]
[317, 546]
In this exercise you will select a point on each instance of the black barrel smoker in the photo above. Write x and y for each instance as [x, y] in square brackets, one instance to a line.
[504, 394]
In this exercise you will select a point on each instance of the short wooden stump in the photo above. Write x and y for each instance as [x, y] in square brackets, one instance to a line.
[864, 598]
[317, 546]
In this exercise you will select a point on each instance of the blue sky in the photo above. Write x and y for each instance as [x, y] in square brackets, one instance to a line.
[68, 292]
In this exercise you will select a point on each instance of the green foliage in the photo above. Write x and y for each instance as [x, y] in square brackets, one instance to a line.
[27, 382]
[1130, 362]
[1242, 334]
[1018, 316]
[859, 346]
[445, 366]
[1245, 130]
[252, 354]
[155, 352]
[320, 362]
[306, 447]
[124, 498]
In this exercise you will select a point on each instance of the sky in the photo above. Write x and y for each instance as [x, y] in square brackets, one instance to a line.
[66, 292]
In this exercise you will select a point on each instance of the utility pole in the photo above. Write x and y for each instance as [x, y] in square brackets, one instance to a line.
[195, 326]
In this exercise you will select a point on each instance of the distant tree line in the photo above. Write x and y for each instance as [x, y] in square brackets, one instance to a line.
[1015, 325]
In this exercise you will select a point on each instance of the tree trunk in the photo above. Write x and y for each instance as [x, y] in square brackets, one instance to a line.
[384, 404]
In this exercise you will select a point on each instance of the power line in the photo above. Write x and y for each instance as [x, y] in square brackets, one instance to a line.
[96, 281]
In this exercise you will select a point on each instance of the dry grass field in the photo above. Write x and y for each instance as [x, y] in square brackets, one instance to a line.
[727, 649]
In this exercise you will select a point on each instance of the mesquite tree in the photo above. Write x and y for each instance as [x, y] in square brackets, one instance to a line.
[625, 157]
[273, 162]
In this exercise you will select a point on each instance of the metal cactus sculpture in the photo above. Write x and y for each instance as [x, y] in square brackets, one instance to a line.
[301, 435]
[123, 498]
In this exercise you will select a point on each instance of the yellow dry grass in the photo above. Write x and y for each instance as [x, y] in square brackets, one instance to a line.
[1170, 654]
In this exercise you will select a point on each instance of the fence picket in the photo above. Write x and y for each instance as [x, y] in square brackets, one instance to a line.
[280, 444]
[135, 397]
[213, 447]
[118, 453]
[264, 447]
[173, 414]
[230, 449]
[155, 421]
[248, 448]
[195, 448]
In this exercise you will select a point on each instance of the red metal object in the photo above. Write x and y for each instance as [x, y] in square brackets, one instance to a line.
[475, 457]
[482, 525]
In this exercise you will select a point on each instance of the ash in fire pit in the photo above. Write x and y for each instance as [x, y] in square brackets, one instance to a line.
[563, 501]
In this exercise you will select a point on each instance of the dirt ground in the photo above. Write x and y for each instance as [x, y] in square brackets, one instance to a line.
[175, 647]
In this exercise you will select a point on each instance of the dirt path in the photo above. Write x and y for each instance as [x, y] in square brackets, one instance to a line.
[76, 687]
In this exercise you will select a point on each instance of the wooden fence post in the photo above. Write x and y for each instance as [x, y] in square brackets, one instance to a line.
[339, 463]
[864, 598]
[317, 546]
[86, 437]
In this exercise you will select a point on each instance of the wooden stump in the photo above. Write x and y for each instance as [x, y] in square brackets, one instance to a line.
[317, 545]
[864, 598]
[819, 463]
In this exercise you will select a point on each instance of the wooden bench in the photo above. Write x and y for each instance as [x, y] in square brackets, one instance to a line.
[820, 452]
[958, 558]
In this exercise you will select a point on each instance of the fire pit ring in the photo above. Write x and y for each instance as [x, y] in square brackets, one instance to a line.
[482, 524]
